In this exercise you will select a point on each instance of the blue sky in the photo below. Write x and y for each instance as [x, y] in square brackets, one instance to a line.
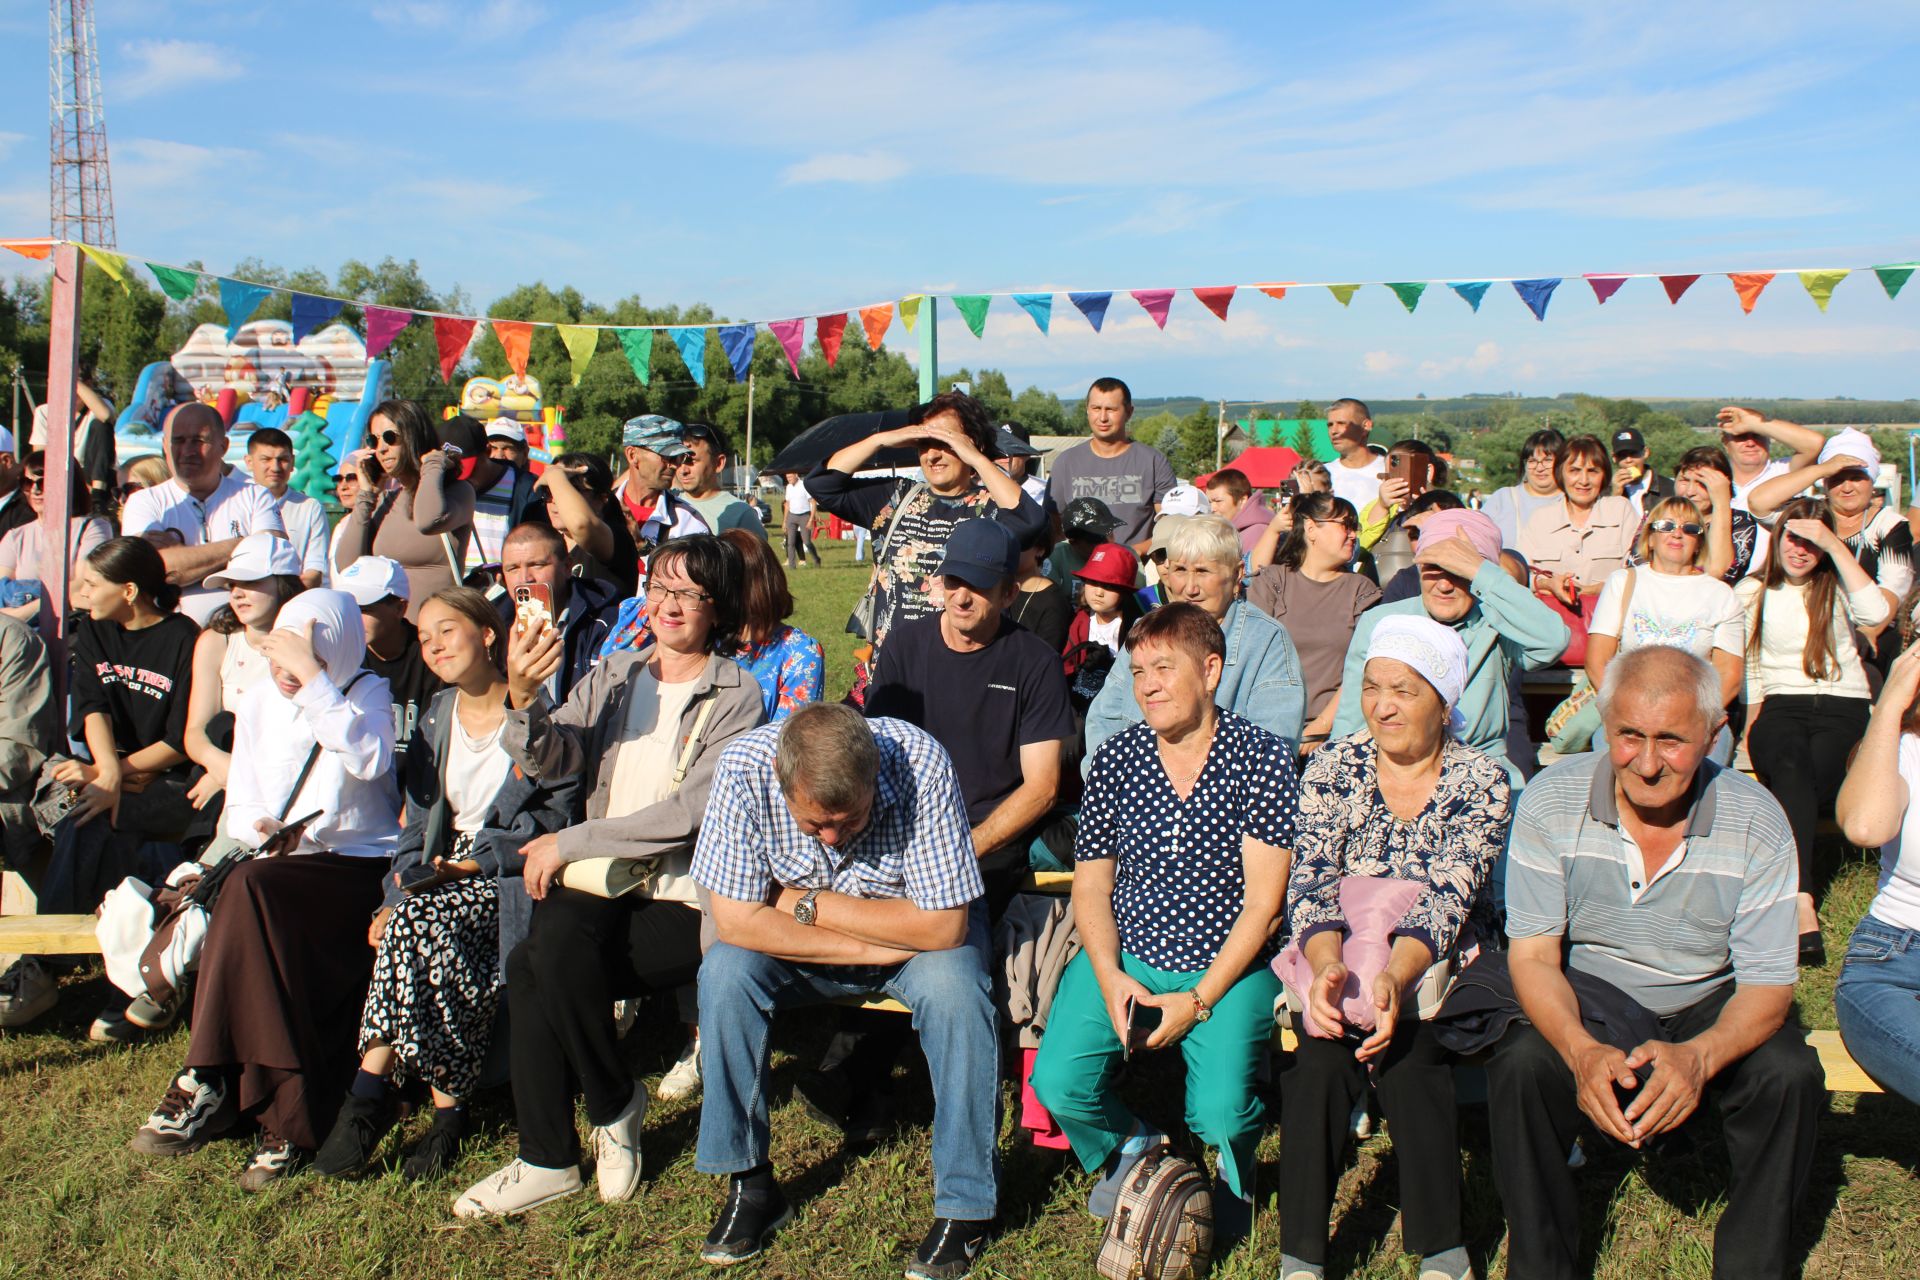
[776, 159]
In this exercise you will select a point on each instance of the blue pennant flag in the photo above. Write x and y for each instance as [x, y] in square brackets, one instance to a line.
[693, 349]
[1536, 294]
[1471, 290]
[1039, 306]
[1093, 306]
[737, 341]
[309, 313]
[240, 300]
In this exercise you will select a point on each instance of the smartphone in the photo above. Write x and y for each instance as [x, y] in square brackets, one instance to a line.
[423, 876]
[533, 607]
[287, 838]
[1415, 468]
[1142, 1021]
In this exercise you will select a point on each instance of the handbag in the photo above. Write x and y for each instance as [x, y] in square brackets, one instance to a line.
[1571, 725]
[655, 878]
[1161, 1227]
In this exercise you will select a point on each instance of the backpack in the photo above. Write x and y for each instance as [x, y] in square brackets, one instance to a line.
[1162, 1223]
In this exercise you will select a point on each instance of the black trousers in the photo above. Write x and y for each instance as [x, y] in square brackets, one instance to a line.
[1770, 1104]
[581, 954]
[1317, 1093]
[1799, 745]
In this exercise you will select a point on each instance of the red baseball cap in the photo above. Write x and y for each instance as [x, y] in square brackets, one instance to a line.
[1111, 565]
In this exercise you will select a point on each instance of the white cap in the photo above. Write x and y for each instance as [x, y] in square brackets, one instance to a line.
[1852, 444]
[507, 429]
[259, 555]
[371, 579]
[1185, 500]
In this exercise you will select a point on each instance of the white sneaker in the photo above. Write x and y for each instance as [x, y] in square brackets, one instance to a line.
[193, 1113]
[684, 1080]
[616, 1150]
[1360, 1122]
[515, 1189]
[26, 992]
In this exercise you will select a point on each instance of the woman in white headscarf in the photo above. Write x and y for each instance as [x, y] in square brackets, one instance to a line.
[1404, 823]
[285, 967]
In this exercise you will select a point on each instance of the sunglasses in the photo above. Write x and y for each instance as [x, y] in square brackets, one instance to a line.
[385, 437]
[1691, 529]
[37, 484]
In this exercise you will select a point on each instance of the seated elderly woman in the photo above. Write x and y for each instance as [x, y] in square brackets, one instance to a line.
[1185, 838]
[1400, 826]
[1260, 678]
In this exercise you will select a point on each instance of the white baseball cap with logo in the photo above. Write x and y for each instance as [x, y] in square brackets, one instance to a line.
[1185, 500]
[259, 556]
[507, 429]
[371, 579]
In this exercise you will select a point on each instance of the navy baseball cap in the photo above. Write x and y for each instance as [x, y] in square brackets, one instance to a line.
[981, 553]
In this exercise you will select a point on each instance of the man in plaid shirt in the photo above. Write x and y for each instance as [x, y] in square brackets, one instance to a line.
[839, 862]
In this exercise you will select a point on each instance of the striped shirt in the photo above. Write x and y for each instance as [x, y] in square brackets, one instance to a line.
[492, 518]
[916, 844]
[1722, 908]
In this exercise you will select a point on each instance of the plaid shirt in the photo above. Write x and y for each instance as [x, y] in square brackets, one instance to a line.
[916, 845]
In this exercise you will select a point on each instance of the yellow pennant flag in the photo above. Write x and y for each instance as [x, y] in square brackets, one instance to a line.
[580, 341]
[1819, 285]
[112, 263]
[910, 309]
[1344, 292]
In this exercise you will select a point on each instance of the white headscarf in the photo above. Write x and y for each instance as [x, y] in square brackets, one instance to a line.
[1431, 648]
[339, 636]
[1852, 444]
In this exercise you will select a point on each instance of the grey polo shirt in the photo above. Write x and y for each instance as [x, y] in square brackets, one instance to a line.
[1723, 909]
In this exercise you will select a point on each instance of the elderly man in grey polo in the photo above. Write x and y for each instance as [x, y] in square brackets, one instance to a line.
[1662, 880]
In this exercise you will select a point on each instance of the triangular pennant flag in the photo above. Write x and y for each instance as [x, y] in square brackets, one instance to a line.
[829, 330]
[638, 346]
[516, 336]
[1894, 278]
[1156, 302]
[451, 335]
[1471, 290]
[1819, 285]
[1037, 305]
[1536, 294]
[693, 350]
[580, 341]
[910, 310]
[1344, 292]
[383, 326]
[239, 300]
[1093, 306]
[1604, 287]
[737, 341]
[1676, 285]
[114, 264]
[1218, 298]
[309, 312]
[790, 334]
[1748, 285]
[1409, 293]
[38, 250]
[176, 282]
[1275, 291]
[875, 320]
[973, 309]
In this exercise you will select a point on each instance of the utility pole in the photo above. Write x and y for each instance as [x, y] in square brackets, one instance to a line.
[752, 475]
[82, 188]
[1220, 439]
[929, 348]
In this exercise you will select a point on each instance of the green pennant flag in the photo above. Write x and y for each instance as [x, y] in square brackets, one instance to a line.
[1893, 279]
[973, 307]
[1344, 292]
[1819, 285]
[1409, 293]
[638, 344]
[175, 282]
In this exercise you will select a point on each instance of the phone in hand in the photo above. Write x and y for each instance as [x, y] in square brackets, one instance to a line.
[1415, 468]
[422, 876]
[1142, 1021]
[533, 607]
[287, 838]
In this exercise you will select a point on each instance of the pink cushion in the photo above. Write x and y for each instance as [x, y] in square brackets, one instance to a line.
[1373, 905]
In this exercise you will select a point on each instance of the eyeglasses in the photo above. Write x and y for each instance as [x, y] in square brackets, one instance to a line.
[1691, 529]
[1350, 526]
[687, 599]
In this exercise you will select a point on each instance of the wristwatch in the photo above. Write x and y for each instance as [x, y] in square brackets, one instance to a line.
[1201, 1009]
[803, 910]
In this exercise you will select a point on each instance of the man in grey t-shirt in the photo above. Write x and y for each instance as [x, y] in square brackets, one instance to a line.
[1129, 477]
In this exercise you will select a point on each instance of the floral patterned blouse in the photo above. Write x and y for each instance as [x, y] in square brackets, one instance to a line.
[1451, 847]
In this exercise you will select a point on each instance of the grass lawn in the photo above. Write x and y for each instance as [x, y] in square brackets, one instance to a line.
[75, 1202]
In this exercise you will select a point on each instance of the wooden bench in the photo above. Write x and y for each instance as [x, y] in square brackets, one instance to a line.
[48, 936]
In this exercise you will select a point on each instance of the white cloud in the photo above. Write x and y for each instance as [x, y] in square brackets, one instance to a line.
[163, 65]
[846, 166]
[1170, 213]
[1717, 200]
[1382, 362]
[8, 141]
[1483, 357]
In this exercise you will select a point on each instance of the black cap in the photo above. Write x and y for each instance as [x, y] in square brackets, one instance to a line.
[705, 431]
[1628, 442]
[1088, 517]
[1009, 445]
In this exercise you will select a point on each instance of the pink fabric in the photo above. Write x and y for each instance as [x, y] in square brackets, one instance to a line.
[1373, 905]
[1033, 1116]
[1478, 529]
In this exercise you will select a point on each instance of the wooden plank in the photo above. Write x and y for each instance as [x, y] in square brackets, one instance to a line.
[63, 367]
[1054, 882]
[48, 935]
[1843, 1073]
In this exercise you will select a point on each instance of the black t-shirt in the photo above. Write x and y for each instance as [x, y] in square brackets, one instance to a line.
[981, 706]
[1047, 613]
[137, 679]
[412, 684]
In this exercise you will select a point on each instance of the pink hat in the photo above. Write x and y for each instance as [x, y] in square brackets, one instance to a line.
[1476, 528]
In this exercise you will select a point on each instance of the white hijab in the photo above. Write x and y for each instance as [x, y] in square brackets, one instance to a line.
[339, 637]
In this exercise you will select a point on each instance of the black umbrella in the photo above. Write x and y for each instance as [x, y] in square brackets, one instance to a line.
[824, 439]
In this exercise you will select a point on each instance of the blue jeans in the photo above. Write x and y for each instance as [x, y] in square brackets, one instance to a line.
[952, 1003]
[1878, 1000]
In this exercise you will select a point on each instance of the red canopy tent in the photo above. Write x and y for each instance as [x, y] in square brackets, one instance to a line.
[1264, 466]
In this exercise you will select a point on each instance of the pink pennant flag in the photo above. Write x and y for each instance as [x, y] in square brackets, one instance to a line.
[383, 326]
[790, 334]
[1676, 285]
[1216, 299]
[1604, 287]
[1156, 302]
[829, 330]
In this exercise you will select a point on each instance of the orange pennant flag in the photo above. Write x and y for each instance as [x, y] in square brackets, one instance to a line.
[1748, 285]
[875, 320]
[38, 250]
[514, 335]
[1275, 291]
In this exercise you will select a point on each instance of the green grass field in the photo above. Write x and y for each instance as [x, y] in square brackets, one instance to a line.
[75, 1202]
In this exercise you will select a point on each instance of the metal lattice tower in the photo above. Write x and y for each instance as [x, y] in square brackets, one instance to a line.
[82, 188]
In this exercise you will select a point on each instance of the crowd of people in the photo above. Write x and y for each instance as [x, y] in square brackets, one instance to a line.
[507, 751]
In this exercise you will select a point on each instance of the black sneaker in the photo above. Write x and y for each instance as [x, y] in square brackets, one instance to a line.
[826, 1095]
[439, 1149]
[272, 1160]
[356, 1135]
[745, 1225]
[951, 1248]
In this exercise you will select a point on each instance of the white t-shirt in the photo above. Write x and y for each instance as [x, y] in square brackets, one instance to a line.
[235, 509]
[475, 769]
[306, 524]
[1776, 467]
[1106, 633]
[1898, 902]
[1779, 668]
[1358, 485]
[1691, 612]
[799, 501]
[643, 763]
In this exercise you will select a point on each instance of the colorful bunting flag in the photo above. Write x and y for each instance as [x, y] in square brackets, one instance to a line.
[973, 309]
[1037, 305]
[240, 300]
[383, 326]
[1819, 285]
[1471, 290]
[1676, 285]
[875, 320]
[737, 341]
[115, 265]
[1219, 298]
[450, 335]
[1156, 302]
[175, 282]
[1093, 306]
[1604, 287]
[1893, 279]
[516, 339]
[1344, 292]
[580, 341]
[910, 309]
[637, 345]
[1409, 293]
[693, 350]
[829, 330]
[38, 250]
[790, 334]
[1536, 294]
[1275, 291]
[309, 312]
[1748, 285]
